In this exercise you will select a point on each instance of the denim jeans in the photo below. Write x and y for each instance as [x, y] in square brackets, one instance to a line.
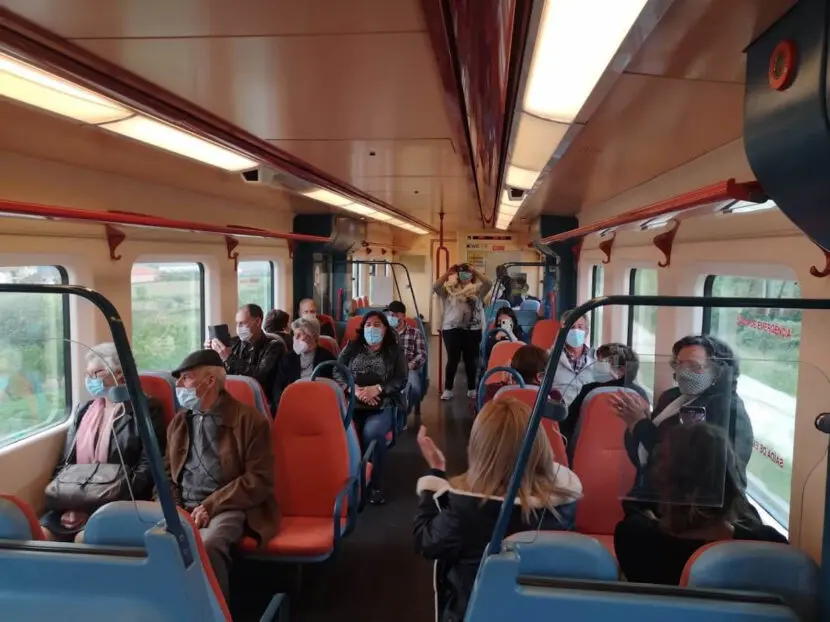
[413, 389]
[373, 426]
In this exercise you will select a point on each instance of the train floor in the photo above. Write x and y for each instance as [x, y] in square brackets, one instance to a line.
[376, 574]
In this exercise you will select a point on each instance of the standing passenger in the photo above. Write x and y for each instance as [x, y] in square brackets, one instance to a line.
[220, 462]
[308, 309]
[462, 289]
[254, 353]
[575, 366]
[412, 342]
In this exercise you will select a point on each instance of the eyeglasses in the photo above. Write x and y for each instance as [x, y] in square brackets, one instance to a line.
[692, 366]
[101, 373]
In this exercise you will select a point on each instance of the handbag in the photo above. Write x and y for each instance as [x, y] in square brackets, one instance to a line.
[86, 487]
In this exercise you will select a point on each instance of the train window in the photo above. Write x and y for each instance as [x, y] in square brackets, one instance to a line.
[642, 324]
[597, 285]
[766, 342]
[35, 355]
[256, 284]
[168, 313]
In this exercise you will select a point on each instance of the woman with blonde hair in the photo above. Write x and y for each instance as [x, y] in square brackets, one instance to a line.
[456, 517]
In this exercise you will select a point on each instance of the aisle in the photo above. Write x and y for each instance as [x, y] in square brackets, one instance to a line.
[376, 575]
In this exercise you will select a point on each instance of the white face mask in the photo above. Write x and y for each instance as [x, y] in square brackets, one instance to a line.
[310, 315]
[243, 332]
[603, 372]
[300, 347]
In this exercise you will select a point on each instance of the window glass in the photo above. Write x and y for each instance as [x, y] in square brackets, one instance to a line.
[255, 283]
[642, 325]
[766, 342]
[168, 313]
[597, 285]
[34, 355]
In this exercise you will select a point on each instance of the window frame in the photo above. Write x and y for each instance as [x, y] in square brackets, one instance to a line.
[595, 269]
[632, 289]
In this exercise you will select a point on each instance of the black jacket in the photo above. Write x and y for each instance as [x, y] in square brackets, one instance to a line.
[290, 370]
[392, 382]
[258, 360]
[125, 428]
[568, 427]
[453, 528]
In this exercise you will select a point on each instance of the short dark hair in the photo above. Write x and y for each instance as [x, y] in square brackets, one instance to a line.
[253, 310]
[276, 321]
[389, 338]
[622, 357]
[717, 351]
[530, 361]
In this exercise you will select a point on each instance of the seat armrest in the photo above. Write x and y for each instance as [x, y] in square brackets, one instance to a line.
[277, 610]
[338, 508]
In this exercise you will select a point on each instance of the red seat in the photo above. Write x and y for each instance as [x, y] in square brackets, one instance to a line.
[248, 391]
[330, 344]
[160, 388]
[327, 320]
[602, 464]
[544, 333]
[551, 428]
[311, 475]
[352, 326]
[500, 356]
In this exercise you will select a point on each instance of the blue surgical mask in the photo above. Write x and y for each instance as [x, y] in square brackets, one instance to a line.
[393, 321]
[373, 335]
[575, 338]
[465, 276]
[187, 398]
[603, 372]
[96, 387]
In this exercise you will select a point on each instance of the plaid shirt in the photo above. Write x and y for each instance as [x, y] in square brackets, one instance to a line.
[413, 345]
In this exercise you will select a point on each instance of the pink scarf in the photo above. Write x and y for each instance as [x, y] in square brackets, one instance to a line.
[93, 439]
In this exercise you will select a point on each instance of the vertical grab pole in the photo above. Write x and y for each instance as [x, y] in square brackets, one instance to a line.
[438, 272]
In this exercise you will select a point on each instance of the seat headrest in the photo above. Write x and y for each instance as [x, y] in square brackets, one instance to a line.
[305, 407]
[14, 521]
[122, 523]
[563, 554]
[344, 403]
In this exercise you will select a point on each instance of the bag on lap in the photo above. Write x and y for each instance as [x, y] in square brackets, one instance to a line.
[86, 487]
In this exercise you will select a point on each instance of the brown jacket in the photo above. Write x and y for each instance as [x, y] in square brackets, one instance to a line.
[247, 462]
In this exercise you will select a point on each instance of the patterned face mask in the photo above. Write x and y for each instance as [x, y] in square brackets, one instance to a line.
[694, 383]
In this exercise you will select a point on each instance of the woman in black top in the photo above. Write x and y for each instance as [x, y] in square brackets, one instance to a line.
[380, 374]
[306, 354]
[698, 505]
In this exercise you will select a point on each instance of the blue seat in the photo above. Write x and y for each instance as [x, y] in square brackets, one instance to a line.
[765, 567]
[530, 305]
[575, 576]
[16, 520]
[130, 568]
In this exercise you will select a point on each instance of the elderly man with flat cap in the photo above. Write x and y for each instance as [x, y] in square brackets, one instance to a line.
[220, 461]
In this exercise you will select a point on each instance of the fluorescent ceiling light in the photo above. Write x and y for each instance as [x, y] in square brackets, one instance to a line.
[521, 178]
[357, 208]
[29, 85]
[502, 224]
[382, 216]
[535, 141]
[745, 207]
[576, 41]
[508, 210]
[326, 196]
[178, 141]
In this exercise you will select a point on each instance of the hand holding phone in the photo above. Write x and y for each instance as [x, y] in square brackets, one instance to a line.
[221, 333]
[692, 414]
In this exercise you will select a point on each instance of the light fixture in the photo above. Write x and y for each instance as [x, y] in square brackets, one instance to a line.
[521, 178]
[535, 140]
[357, 208]
[657, 221]
[327, 196]
[29, 85]
[576, 41]
[508, 210]
[745, 207]
[178, 141]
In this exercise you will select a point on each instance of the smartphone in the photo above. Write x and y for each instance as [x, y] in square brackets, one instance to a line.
[220, 332]
[692, 414]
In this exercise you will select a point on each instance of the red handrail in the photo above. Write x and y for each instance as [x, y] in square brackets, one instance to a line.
[438, 273]
[53, 212]
[723, 191]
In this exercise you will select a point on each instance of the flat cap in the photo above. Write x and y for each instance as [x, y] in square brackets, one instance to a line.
[199, 358]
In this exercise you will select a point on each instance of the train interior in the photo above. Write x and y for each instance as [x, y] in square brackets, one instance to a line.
[654, 164]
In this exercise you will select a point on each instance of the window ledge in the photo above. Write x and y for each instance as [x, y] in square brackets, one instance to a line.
[767, 518]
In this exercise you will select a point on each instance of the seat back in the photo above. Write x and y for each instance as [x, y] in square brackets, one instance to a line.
[528, 394]
[161, 386]
[311, 456]
[748, 567]
[544, 333]
[18, 520]
[248, 391]
[602, 464]
[500, 356]
[352, 326]
[530, 305]
[326, 320]
[330, 344]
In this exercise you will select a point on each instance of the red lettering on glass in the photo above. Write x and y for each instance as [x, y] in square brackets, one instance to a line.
[766, 327]
[768, 453]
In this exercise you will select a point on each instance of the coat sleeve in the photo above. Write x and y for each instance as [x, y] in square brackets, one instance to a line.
[265, 371]
[256, 483]
[396, 380]
[437, 532]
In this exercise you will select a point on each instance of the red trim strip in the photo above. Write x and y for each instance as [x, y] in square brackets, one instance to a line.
[142, 220]
[723, 191]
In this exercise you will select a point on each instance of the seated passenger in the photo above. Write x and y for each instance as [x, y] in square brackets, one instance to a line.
[530, 361]
[414, 346]
[308, 309]
[706, 371]
[379, 368]
[253, 353]
[507, 321]
[688, 468]
[456, 517]
[575, 366]
[101, 432]
[220, 462]
[304, 357]
[276, 325]
[617, 366]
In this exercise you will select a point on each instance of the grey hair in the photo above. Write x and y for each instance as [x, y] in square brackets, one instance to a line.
[569, 313]
[106, 353]
[309, 326]
[219, 373]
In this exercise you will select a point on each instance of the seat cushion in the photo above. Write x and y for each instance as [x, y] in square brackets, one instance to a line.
[606, 541]
[298, 537]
